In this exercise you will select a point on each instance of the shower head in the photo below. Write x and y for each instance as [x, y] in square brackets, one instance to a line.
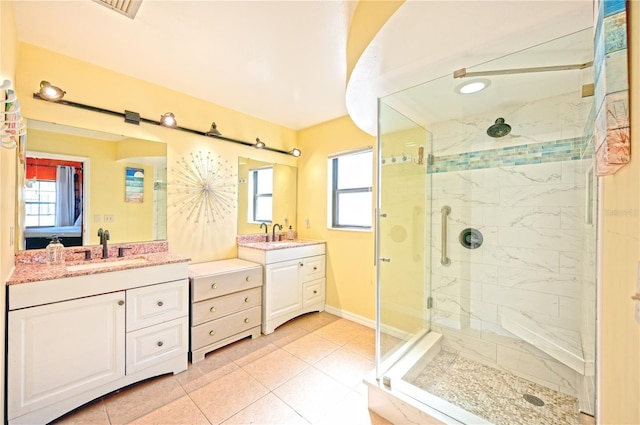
[499, 129]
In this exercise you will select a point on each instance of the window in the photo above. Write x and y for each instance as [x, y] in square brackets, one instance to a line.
[350, 186]
[261, 195]
[40, 204]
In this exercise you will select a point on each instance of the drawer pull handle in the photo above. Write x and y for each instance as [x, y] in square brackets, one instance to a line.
[212, 333]
[160, 343]
[212, 309]
[214, 286]
[248, 278]
[120, 302]
[315, 292]
[246, 320]
[246, 300]
[301, 264]
[315, 268]
[160, 303]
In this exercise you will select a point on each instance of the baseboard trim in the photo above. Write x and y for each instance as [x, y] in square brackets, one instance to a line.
[350, 316]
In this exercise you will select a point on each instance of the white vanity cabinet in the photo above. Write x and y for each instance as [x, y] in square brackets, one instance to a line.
[69, 343]
[226, 300]
[294, 281]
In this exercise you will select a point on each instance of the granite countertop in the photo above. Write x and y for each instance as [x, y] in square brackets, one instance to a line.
[37, 271]
[268, 246]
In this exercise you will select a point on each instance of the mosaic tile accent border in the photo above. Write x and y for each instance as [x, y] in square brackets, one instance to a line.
[534, 153]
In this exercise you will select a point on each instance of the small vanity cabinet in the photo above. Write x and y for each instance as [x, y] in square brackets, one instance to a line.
[226, 298]
[294, 281]
[74, 339]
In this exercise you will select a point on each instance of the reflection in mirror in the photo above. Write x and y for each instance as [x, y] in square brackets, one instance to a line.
[266, 194]
[72, 182]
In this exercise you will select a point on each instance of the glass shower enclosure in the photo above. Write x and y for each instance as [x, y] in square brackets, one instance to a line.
[486, 236]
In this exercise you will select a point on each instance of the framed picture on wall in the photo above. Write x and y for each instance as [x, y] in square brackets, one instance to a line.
[134, 185]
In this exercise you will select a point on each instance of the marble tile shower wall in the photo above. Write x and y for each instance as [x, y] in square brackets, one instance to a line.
[529, 262]
[531, 214]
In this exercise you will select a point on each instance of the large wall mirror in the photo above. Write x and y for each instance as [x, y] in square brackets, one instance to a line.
[73, 181]
[267, 193]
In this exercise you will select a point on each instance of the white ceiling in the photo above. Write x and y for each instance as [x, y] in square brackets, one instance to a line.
[285, 61]
[282, 61]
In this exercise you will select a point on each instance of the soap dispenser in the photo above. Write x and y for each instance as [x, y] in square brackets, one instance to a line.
[55, 251]
[290, 234]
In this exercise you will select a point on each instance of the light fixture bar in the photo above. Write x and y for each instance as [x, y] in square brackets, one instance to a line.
[462, 72]
[155, 122]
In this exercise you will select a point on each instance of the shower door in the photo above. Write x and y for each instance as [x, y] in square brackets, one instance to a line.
[402, 236]
[506, 220]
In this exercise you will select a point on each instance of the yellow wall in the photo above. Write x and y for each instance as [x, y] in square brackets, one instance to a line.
[620, 235]
[368, 17]
[7, 174]
[106, 177]
[350, 271]
[85, 83]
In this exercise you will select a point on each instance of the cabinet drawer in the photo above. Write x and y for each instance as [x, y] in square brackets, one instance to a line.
[313, 292]
[155, 304]
[216, 330]
[204, 311]
[155, 344]
[312, 268]
[222, 284]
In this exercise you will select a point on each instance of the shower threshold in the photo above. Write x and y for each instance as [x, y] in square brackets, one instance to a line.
[432, 386]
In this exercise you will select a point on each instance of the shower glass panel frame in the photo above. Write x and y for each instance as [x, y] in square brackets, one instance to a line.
[402, 223]
[509, 252]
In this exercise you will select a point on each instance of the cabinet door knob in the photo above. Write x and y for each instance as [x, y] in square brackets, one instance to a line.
[315, 292]
[246, 300]
[301, 264]
[212, 309]
[212, 333]
[246, 320]
[214, 286]
[315, 268]
[160, 343]
[247, 279]
[120, 302]
[160, 303]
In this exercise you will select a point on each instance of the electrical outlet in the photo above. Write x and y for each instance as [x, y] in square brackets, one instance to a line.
[97, 218]
[108, 218]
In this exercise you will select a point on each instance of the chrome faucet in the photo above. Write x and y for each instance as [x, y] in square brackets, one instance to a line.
[266, 231]
[104, 237]
[273, 230]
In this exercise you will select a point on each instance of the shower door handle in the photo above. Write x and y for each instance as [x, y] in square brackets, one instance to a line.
[444, 260]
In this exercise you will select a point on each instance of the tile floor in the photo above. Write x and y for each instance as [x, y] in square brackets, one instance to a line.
[309, 371]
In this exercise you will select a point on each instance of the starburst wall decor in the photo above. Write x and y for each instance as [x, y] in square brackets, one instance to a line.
[204, 188]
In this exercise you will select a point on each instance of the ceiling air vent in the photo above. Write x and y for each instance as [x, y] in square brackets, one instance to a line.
[128, 8]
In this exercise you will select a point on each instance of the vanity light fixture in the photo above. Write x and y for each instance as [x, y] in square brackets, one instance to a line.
[131, 117]
[213, 131]
[49, 92]
[168, 120]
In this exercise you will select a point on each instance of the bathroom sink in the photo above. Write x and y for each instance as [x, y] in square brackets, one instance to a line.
[107, 264]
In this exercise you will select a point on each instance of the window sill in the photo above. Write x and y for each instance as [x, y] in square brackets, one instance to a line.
[350, 229]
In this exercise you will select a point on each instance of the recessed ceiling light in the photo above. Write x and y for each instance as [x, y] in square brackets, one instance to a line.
[472, 86]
